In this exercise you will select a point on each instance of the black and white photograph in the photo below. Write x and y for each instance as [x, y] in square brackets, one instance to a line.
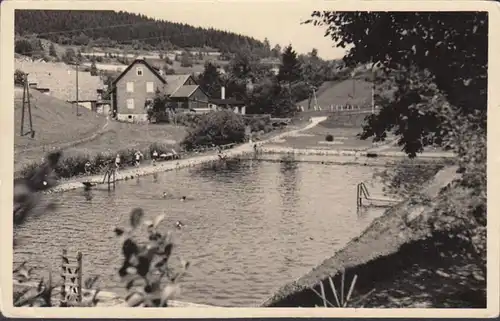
[232, 154]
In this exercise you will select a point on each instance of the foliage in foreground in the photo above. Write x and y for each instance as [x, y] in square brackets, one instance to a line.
[148, 279]
[216, 128]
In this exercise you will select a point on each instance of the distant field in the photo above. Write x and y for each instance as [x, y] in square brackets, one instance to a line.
[343, 127]
[344, 138]
[154, 59]
[353, 92]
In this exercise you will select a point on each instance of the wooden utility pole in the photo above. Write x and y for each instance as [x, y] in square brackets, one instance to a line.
[373, 86]
[77, 111]
[26, 103]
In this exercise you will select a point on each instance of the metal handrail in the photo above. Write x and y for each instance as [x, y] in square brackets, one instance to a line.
[362, 192]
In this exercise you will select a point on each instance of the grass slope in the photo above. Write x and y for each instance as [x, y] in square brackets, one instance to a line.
[131, 136]
[349, 91]
[54, 121]
[56, 126]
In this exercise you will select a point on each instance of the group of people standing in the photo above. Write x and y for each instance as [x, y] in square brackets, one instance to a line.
[138, 156]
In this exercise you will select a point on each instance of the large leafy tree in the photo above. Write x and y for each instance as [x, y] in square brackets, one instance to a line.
[451, 46]
[433, 90]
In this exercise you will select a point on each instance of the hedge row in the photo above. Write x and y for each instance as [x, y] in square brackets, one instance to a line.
[75, 165]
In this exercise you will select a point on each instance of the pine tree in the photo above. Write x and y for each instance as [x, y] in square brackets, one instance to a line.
[276, 51]
[210, 80]
[289, 72]
[290, 66]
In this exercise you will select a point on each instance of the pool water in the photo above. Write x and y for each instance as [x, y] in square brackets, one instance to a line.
[250, 226]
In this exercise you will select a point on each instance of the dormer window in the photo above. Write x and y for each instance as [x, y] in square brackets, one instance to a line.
[139, 71]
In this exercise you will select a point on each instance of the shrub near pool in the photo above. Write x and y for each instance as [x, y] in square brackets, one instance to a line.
[216, 128]
[75, 165]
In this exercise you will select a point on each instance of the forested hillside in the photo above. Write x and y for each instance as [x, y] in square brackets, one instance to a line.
[109, 28]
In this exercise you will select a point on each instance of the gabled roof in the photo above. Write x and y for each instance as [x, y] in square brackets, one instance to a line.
[141, 61]
[184, 91]
[174, 82]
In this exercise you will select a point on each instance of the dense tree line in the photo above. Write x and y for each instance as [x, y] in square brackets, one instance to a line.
[84, 27]
[263, 91]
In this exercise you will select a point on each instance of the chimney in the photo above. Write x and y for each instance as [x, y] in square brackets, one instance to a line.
[223, 92]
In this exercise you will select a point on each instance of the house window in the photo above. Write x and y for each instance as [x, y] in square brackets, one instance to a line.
[149, 103]
[150, 88]
[139, 71]
[130, 87]
[130, 103]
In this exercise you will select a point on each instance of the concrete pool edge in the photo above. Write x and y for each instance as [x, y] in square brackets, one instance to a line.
[369, 153]
[359, 158]
[360, 250]
[128, 173]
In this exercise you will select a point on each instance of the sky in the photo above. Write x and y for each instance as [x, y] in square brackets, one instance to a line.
[279, 22]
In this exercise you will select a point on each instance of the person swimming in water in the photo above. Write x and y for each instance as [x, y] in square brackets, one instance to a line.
[179, 225]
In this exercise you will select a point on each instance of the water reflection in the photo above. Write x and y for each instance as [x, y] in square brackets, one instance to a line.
[249, 227]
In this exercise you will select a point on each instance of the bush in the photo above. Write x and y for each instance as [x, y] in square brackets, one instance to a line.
[258, 124]
[217, 128]
[75, 165]
[18, 77]
[329, 138]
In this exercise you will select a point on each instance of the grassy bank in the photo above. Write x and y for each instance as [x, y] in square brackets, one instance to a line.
[51, 117]
[400, 260]
[121, 138]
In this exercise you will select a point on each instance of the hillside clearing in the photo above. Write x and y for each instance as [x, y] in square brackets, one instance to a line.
[131, 136]
[57, 126]
[357, 92]
[54, 121]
